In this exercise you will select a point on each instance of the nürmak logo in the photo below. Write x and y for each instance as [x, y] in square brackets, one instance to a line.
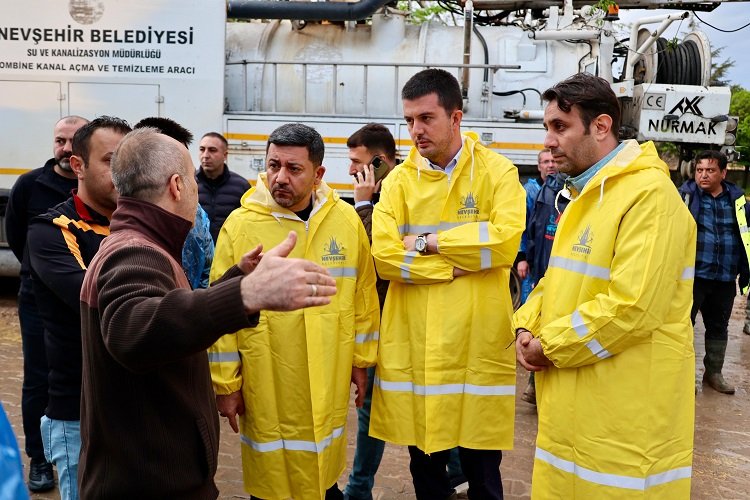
[333, 251]
[584, 242]
[468, 207]
[687, 105]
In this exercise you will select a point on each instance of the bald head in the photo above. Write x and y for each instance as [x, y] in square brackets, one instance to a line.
[150, 166]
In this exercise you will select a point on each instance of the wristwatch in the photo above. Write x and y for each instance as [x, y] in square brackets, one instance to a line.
[420, 244]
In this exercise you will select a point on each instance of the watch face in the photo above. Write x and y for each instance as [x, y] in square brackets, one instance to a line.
[420, 244]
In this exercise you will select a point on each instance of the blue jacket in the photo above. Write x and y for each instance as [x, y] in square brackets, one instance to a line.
[541, 226]
[532, 188]
[198, 251]
[690, 193]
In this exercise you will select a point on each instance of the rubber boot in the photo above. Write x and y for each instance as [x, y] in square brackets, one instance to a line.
[714, 362]
[529, 395]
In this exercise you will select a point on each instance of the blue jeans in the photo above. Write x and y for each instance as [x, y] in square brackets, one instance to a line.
[368, 453]
[62, 446]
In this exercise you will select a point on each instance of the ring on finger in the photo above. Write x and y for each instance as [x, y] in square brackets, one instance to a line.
[314, 290]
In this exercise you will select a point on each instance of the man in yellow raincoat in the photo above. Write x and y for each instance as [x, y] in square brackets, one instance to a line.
[445, 233]
[608, 327]
[290, 375]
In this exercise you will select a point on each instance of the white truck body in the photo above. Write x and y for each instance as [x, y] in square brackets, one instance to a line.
[181, 59]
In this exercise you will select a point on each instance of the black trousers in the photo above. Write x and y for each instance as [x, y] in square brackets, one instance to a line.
[481, 468]
[34, 391]
[714, 299]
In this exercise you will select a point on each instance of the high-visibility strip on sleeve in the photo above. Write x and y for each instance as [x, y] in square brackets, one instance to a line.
[580, 328]
[405, 267]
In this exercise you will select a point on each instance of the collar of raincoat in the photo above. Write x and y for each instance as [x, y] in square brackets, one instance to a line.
[259, 199]
[419, 163]
[630, 158]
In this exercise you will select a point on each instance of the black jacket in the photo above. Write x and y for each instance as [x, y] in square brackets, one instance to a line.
[34, 193]
[61, 244]
[220, 196]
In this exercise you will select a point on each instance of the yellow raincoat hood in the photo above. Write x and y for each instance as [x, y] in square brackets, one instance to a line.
[259, 199]
[612, 313]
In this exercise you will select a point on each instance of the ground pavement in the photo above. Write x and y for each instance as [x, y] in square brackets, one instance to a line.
[721, 468]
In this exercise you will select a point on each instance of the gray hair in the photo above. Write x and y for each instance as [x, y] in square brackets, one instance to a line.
[143, 163]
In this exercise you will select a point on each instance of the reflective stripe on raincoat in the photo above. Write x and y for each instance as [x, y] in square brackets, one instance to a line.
[294, 368]
[446, 376]
[612, 313]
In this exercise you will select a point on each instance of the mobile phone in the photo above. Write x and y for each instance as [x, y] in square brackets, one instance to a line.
[380, 168]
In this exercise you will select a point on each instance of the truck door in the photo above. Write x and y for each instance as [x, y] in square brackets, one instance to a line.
[131, 102]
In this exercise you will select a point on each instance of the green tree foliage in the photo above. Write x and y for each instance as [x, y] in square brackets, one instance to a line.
[740, 106]
[719, 69]
[421, 12]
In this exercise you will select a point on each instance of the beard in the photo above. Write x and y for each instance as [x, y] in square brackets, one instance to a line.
[64, 163]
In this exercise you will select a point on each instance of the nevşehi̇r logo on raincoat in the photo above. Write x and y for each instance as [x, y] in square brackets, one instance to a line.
[333, 252]
[468, 208]
[584, 242]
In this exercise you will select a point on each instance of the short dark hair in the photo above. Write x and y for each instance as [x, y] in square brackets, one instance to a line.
[168, 127]
[82, 138]
[592, 95]
[711, 154]
[374, 137]
[437, 81]
[217, 135]
[297, 134]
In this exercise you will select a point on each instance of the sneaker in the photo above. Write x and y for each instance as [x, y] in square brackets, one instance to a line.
[41, 477]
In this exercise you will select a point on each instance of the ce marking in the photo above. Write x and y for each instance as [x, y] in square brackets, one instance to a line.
[654, 101]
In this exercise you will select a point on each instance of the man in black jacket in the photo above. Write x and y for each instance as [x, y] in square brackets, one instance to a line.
[33, 193]
[219, 190]
[61, 244]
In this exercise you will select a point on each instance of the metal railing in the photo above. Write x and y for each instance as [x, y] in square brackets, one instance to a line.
[486, 94]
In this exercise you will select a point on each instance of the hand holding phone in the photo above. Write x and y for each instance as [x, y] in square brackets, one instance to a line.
[380, 168]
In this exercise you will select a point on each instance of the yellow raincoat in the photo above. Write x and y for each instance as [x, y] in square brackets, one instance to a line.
[612, 313]
[446, 375]
[294, 368]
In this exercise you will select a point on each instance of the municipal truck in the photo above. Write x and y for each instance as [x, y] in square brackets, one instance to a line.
[242, 68]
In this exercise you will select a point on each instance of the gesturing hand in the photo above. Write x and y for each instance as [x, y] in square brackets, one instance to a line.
[279, 283]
